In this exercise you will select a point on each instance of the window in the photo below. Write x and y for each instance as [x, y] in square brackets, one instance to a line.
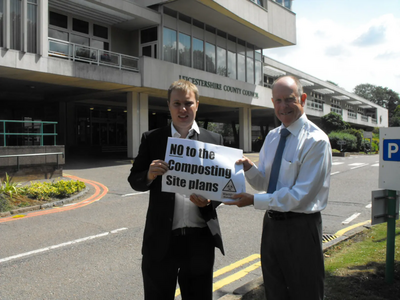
[221, 62]
[58, 20]
[32, 26]
[198, 54]
[100, 31]
[241, 63]
[80, 26]
[148, 35]
[231, 65]
[169, 46]
[15, 32]
[1, 23]
[210, 58]
[184, 49]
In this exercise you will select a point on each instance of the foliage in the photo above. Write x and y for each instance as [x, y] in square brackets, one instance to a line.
[333, 122]
[351, 141]
[8, 187]
[47, 190]
[359, 135]
[355, 268]
[36, 192]
[395, 119]
[384, 97]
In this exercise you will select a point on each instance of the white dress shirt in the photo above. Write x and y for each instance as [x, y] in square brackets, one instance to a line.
[303, 182]
[186, 213]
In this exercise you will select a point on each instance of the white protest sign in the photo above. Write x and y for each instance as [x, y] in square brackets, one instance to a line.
[205, 169]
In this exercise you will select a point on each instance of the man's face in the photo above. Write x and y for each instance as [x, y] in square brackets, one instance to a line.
[288, 104]
[183, 107]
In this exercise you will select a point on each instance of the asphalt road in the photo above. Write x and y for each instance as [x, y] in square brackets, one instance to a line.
[92, 250]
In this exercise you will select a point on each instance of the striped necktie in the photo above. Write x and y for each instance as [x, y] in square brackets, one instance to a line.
[276, 165]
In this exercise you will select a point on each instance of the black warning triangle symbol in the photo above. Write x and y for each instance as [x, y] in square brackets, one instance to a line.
[229, 187]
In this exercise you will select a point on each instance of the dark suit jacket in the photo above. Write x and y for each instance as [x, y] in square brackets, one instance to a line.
[157, 232]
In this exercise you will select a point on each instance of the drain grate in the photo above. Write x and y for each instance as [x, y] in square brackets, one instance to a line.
[328, 237]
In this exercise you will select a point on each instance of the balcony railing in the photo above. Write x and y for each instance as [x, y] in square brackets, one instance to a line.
[352, 115]
[76, 52]
[315, 105]
[364, 118]
[26, 132]
[336, 110]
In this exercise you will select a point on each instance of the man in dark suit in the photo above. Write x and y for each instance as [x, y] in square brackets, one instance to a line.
[181, 231]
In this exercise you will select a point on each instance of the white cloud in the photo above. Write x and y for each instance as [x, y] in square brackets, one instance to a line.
[347, 55]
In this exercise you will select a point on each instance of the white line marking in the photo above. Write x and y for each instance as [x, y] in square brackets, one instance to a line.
[337, 163]
[375, 165]
[369, 205]
[334, 173]
[348, 220]
[360, 166]
[59, 245]
[133, 194]
[356, 164]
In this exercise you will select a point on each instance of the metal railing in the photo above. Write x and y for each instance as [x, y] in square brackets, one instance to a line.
[26, 127]
[76, 52]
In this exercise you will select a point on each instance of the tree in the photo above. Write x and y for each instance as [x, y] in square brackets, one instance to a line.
[384, 97]
[333, 122]
[395, 120]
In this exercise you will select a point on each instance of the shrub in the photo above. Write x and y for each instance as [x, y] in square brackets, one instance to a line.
[351, 140]
[58, 189]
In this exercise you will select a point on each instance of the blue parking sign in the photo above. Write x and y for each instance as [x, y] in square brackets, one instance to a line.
[391, 150]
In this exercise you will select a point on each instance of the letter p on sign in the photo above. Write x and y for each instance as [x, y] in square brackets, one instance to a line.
[391, 150]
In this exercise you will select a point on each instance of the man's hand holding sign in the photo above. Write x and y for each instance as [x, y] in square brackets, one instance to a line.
[201, 170]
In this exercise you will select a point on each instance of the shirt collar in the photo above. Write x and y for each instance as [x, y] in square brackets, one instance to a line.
[297, 125]
[176, 134]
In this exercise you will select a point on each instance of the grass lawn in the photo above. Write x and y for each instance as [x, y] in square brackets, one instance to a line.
[355, 269]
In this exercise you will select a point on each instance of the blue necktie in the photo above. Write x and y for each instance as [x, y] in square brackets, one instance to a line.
[276, 165]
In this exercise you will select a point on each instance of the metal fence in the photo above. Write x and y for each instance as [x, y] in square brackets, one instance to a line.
[31, 132]
[76, 52]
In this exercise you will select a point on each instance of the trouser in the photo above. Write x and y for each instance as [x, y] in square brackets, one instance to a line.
[292, 257]
[190, 260]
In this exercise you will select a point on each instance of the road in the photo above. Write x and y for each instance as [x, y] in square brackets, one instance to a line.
[91, 250]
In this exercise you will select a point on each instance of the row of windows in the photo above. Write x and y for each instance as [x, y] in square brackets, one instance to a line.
[209, 49]
[77, 31]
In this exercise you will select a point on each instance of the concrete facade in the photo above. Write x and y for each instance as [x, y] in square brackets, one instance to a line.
[102, 68]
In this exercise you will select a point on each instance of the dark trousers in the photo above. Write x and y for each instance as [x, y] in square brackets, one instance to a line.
[190, 260]
[292, 258]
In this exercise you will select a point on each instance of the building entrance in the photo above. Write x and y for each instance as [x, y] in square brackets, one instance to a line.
[102, 129]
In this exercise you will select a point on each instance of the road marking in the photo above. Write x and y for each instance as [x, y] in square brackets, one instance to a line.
[369, 205]
[133, 194]
[334, 173]
[221, 283]
[375, 165]
[60, 245]
[337, 163]
[359, 166]
[344, 230]
[348, 220]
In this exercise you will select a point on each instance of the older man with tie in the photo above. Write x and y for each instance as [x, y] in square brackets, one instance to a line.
[294, 170]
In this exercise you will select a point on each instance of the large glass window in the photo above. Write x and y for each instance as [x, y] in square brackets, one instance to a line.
[100, 31]
[241, 63]
[198, 54]
[258, 66]
[250, 70]
[1, 23]
[221, 61]
[15, 32]
[231, 65]
[184, 49]
[148, 35]
[210, 58]
[32, 26]
[169, 46]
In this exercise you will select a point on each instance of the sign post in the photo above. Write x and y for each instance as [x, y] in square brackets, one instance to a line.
[389, 178]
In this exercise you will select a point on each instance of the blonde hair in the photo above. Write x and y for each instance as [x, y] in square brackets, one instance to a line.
[183, 85]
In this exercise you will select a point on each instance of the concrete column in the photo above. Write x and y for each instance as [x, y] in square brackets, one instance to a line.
[43, 27]
[245, 129]
[138, 120]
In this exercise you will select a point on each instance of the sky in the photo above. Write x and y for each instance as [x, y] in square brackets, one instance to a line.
[348, 42]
